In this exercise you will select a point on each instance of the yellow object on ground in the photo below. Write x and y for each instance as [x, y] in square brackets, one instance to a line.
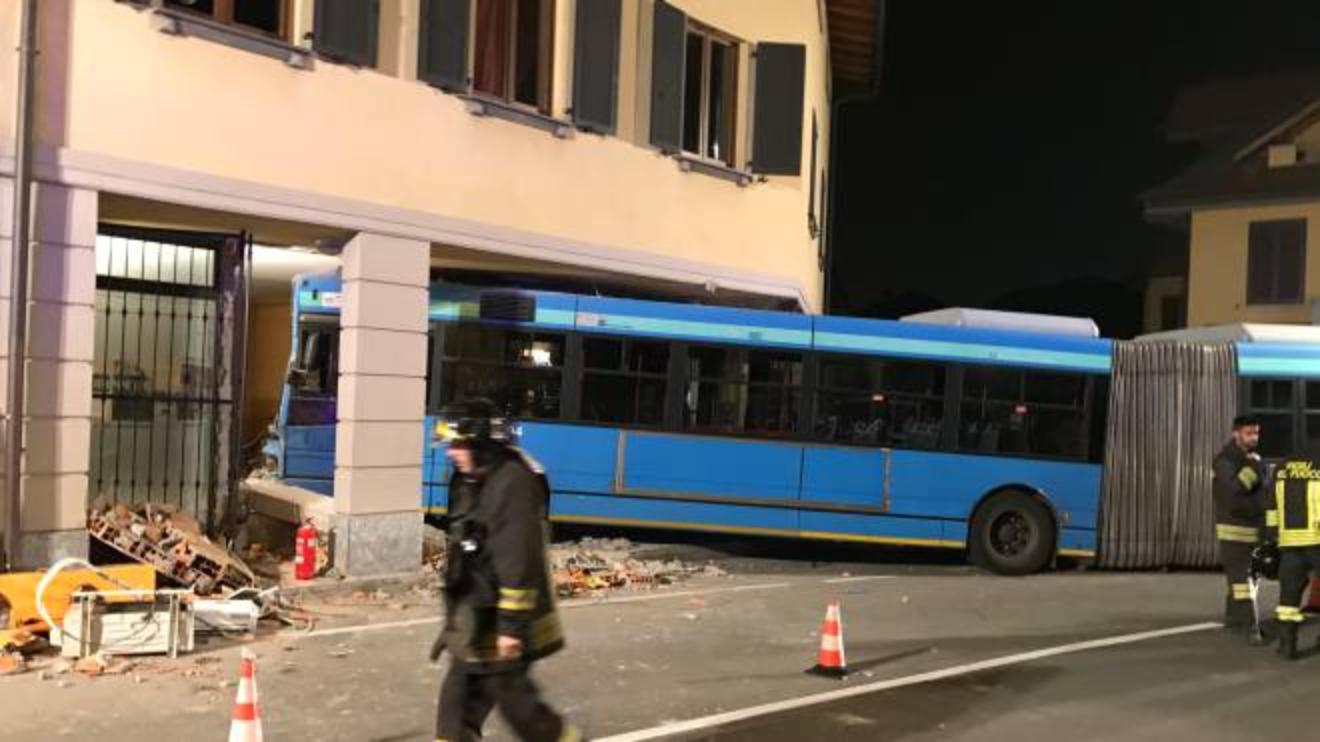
[19, 590]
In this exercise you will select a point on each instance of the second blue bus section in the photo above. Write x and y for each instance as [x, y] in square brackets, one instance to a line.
[604, 475]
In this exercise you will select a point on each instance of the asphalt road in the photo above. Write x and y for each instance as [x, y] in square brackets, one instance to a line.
[639, 664]
[1200, 686]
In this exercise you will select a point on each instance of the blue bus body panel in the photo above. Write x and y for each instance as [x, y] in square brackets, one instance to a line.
[318, 294]
[672, 480]
[945, 485]
[642, 511]
[1076, 539]
[320, 486]
[577, 459]
[435, 470]
[695, 323]
[846, 476]
[714, 467]
[1289, 361]
[880, 528]
[309, 452]
[962, 345]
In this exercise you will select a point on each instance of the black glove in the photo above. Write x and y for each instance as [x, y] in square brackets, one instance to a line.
[438, 648]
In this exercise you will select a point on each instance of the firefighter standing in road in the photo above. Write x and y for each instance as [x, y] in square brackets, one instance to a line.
[500, 613]
[1295, 516]
[1238, 474]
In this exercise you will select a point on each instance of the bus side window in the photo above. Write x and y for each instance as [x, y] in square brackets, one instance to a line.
[1274, 402]
[623, 381]
[735, 390]
[312, 399]
[1009, 410]
[880, 402]
[520, 371]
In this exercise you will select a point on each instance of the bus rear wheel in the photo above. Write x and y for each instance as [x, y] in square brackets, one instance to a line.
[1012, 534]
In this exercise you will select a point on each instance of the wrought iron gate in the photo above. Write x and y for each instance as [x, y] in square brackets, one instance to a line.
[170, 326]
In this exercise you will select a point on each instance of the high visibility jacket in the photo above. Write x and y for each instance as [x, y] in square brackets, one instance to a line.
[1295, 513]
[497, 579]
[1237, 488]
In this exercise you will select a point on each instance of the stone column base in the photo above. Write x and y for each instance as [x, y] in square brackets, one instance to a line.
[378, 544]
[40, 549]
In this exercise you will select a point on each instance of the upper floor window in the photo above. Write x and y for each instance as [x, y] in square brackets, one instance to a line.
[710, 95]
[505, 52]
[1276, 262]
[696, 102]
[267, 16]
[347, 30]
[512, 51]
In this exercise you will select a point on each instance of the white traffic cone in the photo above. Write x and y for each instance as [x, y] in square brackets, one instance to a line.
[246, 726]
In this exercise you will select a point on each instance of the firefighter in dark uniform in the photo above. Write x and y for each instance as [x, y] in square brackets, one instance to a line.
[500, 614]
[1238, 475]
[1295, 518]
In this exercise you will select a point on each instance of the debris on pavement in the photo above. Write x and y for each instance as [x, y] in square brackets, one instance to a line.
[593, 565]
[263, 562]
[172, 542]
[12, 663]
[91, 666]
[21, 641]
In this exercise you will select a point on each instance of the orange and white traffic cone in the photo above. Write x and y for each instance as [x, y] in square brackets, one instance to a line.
[831, 662]
[246, 726]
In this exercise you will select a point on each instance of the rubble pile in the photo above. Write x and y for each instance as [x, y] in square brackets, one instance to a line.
[172, 543]
[593, 564]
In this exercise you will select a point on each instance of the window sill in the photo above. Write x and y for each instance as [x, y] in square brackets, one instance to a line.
[480, 105]
[183, 23]
[690, 164]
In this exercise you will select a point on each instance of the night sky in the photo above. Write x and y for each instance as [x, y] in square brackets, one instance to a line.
[1011, 142]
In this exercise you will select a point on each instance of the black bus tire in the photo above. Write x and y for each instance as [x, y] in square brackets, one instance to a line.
[1012, 533]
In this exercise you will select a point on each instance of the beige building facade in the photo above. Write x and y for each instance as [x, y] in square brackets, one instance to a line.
[679, 148]
[1249, 202]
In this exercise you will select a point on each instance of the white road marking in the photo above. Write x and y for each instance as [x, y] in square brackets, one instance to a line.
[863, 578]
[580, 603]
[715, 720]
[367, 627]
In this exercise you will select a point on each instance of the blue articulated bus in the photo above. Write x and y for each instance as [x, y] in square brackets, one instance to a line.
[677, 416]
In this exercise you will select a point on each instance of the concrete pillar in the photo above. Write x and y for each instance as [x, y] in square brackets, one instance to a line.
[61, 322]
[382, 390]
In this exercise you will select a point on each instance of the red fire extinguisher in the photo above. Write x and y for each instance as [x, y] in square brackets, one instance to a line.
[304, 553]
